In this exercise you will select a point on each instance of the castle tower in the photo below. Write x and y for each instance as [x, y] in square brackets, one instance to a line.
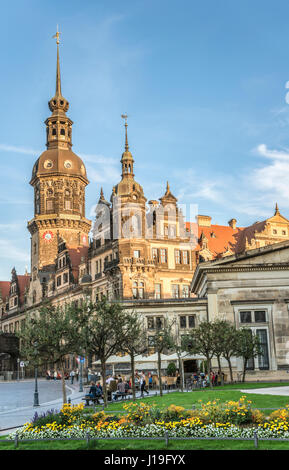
[59, 180]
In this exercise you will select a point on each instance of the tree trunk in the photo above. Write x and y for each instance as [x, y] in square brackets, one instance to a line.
[209, 371]
[230, 368]
[132, 376]
[220, 370]
[181, 372]
[104, 389]
[160, 375]
[244, 370]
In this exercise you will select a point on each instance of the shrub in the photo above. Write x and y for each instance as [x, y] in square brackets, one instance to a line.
[171, 369]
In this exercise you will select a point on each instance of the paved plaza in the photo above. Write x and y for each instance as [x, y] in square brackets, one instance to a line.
[16, 400]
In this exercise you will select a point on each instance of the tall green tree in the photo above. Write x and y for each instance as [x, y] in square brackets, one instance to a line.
[162, 342]
[100, 328]
[248, 347]
[49, 336]
[225, 343]
[229, 344]
[133, 341]
[201, 341]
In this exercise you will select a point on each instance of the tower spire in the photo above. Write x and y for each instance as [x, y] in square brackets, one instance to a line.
[59, 126]
[124, 116]
[58, 77]
[58, 103]
[126, 159]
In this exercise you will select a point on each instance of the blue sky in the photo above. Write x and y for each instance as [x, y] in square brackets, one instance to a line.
[203, 83]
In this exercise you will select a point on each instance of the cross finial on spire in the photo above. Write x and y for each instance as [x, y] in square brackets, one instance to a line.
[57, 35]
[124, 116]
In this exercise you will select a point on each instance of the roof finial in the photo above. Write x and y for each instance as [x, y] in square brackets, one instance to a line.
[58, 79]
[124, 116]
[101, 194]
[277, 209]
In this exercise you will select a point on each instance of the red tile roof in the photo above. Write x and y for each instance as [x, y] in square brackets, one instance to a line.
[4, 289]
[77, 256]
[23, 282]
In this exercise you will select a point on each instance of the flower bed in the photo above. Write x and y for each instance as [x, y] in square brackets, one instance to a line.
[212, 419]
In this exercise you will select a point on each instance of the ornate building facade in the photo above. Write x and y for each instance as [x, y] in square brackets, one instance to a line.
[142, 253]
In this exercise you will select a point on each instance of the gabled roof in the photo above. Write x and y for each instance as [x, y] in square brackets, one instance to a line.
[221, 238]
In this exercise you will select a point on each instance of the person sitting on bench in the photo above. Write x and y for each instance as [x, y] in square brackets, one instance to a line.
[93, 394]
[120, 390]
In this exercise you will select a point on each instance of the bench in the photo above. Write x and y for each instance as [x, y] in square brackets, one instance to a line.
[122, 396]
[95, 400]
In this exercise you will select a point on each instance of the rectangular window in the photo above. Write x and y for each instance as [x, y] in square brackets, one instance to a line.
[177, 257]
[260, 316]
[183, 322]
[263, 358]
[134, 293]
[155, 254]
[185, 256]
[185, 292]
[151, 323]
[245, 317]
[163, 255]
[136, 253]
[192, 322]
[58, 281]
[175, 291]
[67, 205]
[159, 322]
[65, 278]
[157, 291]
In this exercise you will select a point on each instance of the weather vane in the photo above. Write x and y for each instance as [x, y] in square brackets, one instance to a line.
[57, 35]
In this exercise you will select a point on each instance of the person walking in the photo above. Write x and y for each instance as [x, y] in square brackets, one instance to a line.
[72, 375]
[143, 384]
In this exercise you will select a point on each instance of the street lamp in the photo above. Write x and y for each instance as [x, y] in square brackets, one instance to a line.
[80, 374]
[36, 398]
[18, 361]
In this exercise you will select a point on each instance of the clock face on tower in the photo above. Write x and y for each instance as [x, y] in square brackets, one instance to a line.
[47, 236]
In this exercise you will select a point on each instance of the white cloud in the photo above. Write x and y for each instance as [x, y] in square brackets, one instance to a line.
[16, 149]
[9, 250]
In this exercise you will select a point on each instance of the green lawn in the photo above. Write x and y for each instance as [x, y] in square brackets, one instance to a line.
[123, 444]
[187, 400]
